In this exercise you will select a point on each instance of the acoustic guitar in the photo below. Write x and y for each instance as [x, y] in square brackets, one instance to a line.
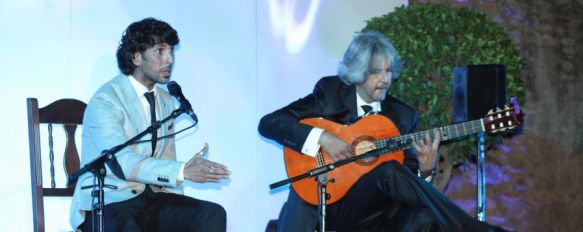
[379, 134]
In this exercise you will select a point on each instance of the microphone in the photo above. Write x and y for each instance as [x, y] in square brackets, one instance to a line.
[176, 91]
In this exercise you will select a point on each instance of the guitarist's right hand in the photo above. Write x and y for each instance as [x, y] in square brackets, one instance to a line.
[336, 148]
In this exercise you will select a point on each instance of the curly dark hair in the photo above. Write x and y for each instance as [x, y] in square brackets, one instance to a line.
[140, 36]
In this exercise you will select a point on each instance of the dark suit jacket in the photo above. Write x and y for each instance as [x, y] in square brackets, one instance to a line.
[334, 100]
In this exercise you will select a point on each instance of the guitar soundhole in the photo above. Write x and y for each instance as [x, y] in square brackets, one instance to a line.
[362, 145]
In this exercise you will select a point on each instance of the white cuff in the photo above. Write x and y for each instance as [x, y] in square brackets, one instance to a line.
[428, 178]
[180, 176]
[311, 145]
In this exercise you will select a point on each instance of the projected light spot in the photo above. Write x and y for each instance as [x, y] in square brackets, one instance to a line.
[295, 32]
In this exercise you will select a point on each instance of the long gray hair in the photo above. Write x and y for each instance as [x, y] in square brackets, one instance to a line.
[361, 51]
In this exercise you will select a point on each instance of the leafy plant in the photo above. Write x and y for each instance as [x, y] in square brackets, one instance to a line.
[432, 40]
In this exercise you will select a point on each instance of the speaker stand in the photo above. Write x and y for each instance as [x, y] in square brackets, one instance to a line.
[481, 175]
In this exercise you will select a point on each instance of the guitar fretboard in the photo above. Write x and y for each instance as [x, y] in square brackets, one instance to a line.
[447, 132]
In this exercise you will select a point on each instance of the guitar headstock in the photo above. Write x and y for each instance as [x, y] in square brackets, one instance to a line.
[504, 119]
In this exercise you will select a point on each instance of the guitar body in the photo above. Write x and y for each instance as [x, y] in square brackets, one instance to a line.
[359, 136]
[372, 131]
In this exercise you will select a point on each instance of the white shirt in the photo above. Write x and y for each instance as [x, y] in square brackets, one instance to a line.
[141, 90]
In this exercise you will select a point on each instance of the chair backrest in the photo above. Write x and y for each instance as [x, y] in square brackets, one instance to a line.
[69, 114]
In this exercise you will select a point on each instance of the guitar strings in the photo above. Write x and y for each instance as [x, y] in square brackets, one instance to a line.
[447, 132]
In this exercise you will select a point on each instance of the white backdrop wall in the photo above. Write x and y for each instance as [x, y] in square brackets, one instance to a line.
[237, 61]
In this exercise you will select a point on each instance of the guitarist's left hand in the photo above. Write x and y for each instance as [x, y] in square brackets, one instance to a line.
[427, 152]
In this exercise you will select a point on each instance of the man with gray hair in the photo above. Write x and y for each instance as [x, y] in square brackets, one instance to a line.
[389, 197]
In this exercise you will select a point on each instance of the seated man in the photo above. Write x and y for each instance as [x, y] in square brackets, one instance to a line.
[149, 197]
[390, 197]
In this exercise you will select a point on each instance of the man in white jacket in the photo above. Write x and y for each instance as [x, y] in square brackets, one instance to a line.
[149, 197]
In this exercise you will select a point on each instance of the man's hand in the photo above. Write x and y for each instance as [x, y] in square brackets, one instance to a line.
[200, 170]
[336, 147]
[427, 152]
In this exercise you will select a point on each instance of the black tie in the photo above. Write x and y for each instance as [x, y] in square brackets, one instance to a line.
[367, 109]
[152, 101]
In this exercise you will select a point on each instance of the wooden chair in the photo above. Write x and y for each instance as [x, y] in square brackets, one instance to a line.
[66, 112]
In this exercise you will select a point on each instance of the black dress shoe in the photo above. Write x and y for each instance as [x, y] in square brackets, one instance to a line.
[497, 229]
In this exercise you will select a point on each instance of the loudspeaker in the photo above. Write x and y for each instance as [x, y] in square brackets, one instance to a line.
[476, 90]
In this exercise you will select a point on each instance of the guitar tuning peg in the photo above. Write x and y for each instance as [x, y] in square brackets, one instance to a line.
[490, 111]
[497, 108]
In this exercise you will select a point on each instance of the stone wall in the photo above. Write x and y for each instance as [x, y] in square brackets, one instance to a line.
[535, 180]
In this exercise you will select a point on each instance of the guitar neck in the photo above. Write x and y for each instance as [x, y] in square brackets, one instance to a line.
[447, 133]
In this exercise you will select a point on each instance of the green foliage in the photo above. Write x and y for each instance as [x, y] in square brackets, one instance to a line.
[433, 39]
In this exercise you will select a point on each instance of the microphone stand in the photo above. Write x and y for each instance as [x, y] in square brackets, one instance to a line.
[323, 179]
[97, 167]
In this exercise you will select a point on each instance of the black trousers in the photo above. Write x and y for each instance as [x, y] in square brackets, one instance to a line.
[151, 211]
[389, 198]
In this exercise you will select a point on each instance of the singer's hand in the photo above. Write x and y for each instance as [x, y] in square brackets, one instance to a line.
[200, 170]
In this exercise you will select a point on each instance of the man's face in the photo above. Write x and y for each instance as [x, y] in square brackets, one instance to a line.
[154, 65]
[377, 81]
